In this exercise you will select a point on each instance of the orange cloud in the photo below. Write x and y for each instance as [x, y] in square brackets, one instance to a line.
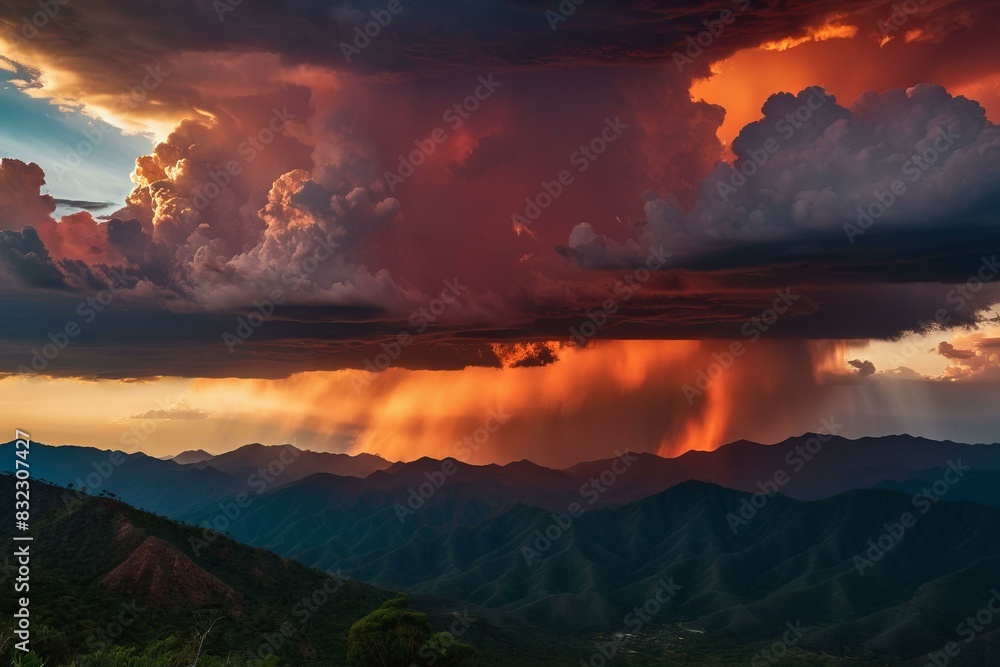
[831, 29]
[847, 64]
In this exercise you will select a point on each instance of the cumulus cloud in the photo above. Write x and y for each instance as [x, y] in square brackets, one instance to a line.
[815, 181]
[948, 351]
[211, 224]
[307, 210]
[304, 249]
[25, 261]
[21, 201]
[865, 368]
[974, 357]
[305, 213]
[36, 250]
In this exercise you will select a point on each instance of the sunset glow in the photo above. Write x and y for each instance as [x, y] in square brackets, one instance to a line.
[500, 334]
[371, 258]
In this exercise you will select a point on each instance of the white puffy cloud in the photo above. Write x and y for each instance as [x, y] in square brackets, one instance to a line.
[225, 218]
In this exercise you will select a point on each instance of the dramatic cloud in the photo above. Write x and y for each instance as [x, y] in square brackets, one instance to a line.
[865, 368]
[813, 171]
[231, 242]
[372, 241]
[947, 350]
[21, 201]
[25, 260]
[331, 199]
[206, 56]
[978, 358]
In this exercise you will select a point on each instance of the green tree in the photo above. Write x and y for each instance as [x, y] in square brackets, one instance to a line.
[393, 636]
[443, 650]
[27, 660]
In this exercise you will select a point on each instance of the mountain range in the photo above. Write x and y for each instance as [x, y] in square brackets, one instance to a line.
[812, 466]
[873, 549]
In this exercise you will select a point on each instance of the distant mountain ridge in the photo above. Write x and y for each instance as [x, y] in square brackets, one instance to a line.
[294, 463]
[838, 465]
[189, 456]
[173, 488]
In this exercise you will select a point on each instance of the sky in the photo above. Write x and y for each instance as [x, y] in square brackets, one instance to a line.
[50, 136]
[655, 226]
